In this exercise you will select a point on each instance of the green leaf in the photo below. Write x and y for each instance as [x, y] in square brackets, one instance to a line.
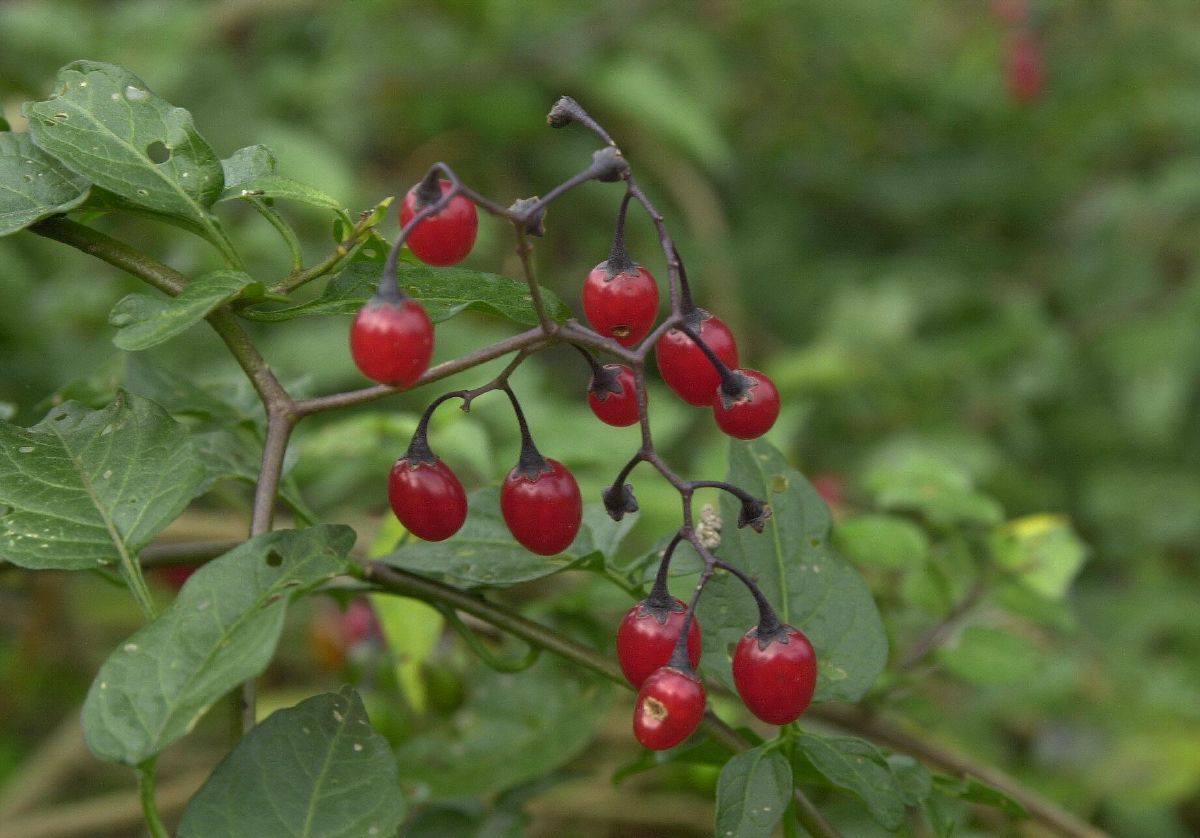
[975, 791]
[484, 554]
[444, 292]
[84, 487]
[221, 630]
[317, 769]
[918, 480]
[882, 541]
[860, 768]
[146, 320]
[753, 793]
[810, 585]
[1042, 551]
[33, 185]
[277, 186]
[235, 453]
[246, 164]
[103, 123]
[984, 655]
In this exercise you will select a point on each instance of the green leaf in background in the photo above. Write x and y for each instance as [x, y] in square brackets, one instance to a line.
[1042, 551]
[444, 292]
[316, 770]
[221, 630]
[146, 320]
[974, 791]
[861, 769]
[84, 488]
[985, 655]
[753, 793]
[33, 185]
[883, 541]
[804, 578]
[912, 479]
[104, 123]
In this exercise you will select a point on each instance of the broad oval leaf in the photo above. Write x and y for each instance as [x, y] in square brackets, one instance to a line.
[146, 320]
[753, 793]
[810, 585]
[104, 123]
[33, 185]
[316, 770]
[444, 292]
[220, 631]
[83, 487]
[861, 769]
[246, 164]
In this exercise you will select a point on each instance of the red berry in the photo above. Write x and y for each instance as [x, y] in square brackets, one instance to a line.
[646, 639]
[622, 306]
[392, 341]
[775, 680]
[751, 414]
[446, 237]
[619, 408]
[669, 707]
[427, 498]
[1023, 67]
[684, 366]
[542, 512]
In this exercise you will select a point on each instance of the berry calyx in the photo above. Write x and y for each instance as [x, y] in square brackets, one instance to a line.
[612, 395]
[543, 510]
[775, 673]
[746, 405]
[646, 637]
[447, 236]
[427, 498]
[670, 705]
[391, 340]
[684, 366]
[621, 301]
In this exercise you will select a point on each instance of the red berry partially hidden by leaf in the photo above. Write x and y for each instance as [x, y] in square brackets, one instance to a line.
[646, 638]
[622, 305]
[446, 237]
[392, 340]
[669, 708]
[775, 676]
[751, 413]
[427, 498]
[542, 512]
[684, 366]
[614, 398]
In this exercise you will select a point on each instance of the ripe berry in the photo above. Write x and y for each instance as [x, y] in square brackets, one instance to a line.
[669, 707]
[446, 237]
[775, 675]
[613, 396]
[684, 366]
[1023, 67]
[621, 304]
[392, 340]
[543, 511]
[750, 413]
[427, 498]
[647, 635]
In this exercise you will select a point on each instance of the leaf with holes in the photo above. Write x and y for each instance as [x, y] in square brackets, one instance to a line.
[103, 123]
[84, 487]
[33, 185]
[316, 770]
[146, 320]
[221, 630]
[753, 792]
[861, 769]
[810, 585]
[444, 292]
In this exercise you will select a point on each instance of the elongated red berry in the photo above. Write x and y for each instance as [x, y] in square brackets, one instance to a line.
[446, 237]
[670, 705]
[392, 340]
[621, 304]
[776, 675]
[646, 638]
[613, 396]
[427, 498]
[752, 412]
[543, 512]
[684, 366]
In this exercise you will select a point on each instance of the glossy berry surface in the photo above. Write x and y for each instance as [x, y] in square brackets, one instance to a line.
[775, 682]
[644, 643]
[684, 366]
[543, 514]
[670, 705]
[751, 414]
[618, 409]
[446, 237]
[427, 498]
[622, 307]
[392, 341]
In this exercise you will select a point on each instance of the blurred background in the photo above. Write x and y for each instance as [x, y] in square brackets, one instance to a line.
[961, 237]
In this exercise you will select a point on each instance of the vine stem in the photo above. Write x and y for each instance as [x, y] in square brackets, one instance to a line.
[146, 783]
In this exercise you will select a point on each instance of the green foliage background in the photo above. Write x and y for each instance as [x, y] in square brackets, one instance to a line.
[976, 310]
